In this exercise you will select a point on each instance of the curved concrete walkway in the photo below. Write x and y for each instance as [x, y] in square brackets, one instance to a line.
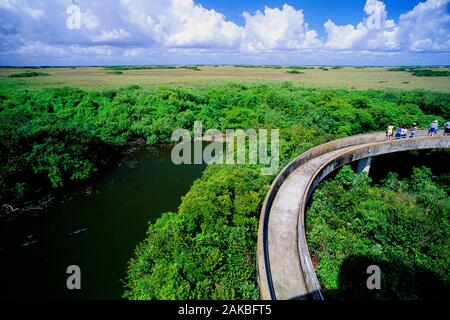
[285, 269]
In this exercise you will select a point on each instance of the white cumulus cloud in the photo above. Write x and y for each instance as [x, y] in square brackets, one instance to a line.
[23, 6]
[182, 23]
[424, 28]
[197, 26]
[111, 35]
[374, 32]
[184, 30]
[277, 29]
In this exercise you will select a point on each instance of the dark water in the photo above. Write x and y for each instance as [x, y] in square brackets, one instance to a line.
[109, 218]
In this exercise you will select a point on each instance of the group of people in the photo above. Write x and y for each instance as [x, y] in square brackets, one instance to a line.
[434, 128]
[402, 132]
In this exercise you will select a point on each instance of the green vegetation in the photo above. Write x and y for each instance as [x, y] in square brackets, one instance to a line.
[160, 67]
[28, 74]
[398, 69]
[295, 72]
[422, 72]
[257, 66]
[194, 68]
[431, 73]
[300, 68]
[400, 225]
[151, 77]
[51, 137]
[114, 72]
[207, 249]
[124, 68]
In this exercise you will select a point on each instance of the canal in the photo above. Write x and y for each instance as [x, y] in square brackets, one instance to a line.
[96, 226]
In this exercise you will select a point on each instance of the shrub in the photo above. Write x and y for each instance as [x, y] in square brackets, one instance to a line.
[402, 226]
[28, 74]
[295, 72]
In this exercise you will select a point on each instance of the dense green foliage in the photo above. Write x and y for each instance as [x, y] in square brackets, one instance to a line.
[28, 74]
[207, 249]
[53, 136]
[295, 72]
[401, 225]
[31, 120]
[193, 68]
[431, 73]
[398, 69]
[114, 72]
[300, 68]
[422, 72]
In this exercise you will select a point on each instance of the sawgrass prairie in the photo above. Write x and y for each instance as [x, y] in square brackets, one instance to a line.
[347, 77]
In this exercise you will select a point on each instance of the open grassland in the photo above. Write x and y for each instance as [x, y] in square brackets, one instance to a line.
[346, 77]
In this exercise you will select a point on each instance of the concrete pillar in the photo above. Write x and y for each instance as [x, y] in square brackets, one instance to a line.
[364, 165]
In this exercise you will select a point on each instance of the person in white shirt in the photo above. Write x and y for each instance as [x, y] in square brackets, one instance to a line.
[404, 133]
[413, 131]
[434, 127]
[390, 132]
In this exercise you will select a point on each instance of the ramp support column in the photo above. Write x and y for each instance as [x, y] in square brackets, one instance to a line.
[364, 165]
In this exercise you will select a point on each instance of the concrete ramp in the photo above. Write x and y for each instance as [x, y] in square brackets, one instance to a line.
[285, 269]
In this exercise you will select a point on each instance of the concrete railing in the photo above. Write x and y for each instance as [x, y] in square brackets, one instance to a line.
[281, 235]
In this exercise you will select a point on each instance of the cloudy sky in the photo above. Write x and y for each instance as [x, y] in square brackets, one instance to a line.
[103, 32]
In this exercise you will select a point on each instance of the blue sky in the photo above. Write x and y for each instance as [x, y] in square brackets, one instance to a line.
[317, 12]
[105, 32]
